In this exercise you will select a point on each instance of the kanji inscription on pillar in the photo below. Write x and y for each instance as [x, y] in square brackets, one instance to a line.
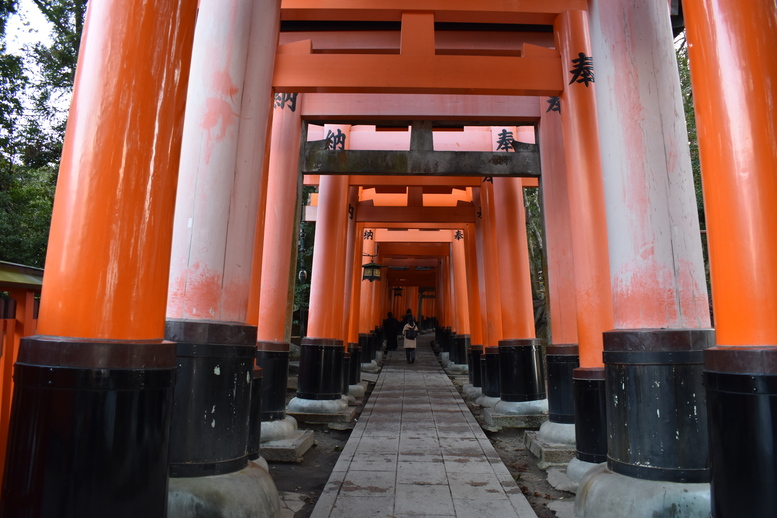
[582, 69]
[459, 235]
[554, 105]
[368, 234]
[286, 100]
[504, 140]
[488, 179]
[336, 140]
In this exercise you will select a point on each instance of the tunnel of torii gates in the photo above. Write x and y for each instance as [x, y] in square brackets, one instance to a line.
[169, 267]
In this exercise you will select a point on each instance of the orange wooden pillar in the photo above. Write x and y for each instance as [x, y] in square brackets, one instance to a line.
[593, 292]
[656, 267]
[321, 355]
[477, 230]
[273, 332]
[450, 302]
[350, 267]
[473, 286]
[475, 323]
[366, 305]
[93, 395]
[733, 79]
[351, 353]
[459, 263]
[521, 366]
[491, 266]
[513, 254]
[354, 308]
[490, 354]
[221, 180]
[558, 227]
[462, 342]
[586, 189]
[492, 316]
[380, 294]
[562, 354]
[12, 330]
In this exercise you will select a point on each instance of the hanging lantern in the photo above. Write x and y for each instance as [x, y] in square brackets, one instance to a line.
[397, 291]
[371, 272]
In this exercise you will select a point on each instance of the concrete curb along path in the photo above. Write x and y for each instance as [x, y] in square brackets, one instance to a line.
[418, 451]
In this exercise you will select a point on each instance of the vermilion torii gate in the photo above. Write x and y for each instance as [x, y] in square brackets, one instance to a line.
[93, 401]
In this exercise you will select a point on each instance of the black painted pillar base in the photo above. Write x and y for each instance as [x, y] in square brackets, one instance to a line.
[89, 417]
[355, 371]
[320, 369]
[741, 385]
[656, 405]
[490, 371]
[273, 358]
[364, 343]
[475, 352]
[346, 372]
[521, 370]
[562, 360]
[590, 414]
[459, 349]
[255, 419]
[210, 427]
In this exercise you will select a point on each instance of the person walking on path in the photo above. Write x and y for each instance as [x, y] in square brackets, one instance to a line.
[391, 328]
[410, 332]
[408, 317]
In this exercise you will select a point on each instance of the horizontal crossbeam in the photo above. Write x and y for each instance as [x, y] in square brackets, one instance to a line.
[525, 162]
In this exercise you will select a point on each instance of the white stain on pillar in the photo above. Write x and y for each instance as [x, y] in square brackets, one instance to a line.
[218, 193]
[655, 247]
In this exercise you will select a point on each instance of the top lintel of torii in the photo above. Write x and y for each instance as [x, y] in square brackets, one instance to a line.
[455, 11]
[418, 59]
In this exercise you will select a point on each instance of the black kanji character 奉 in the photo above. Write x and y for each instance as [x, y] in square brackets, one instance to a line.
[505, 140]
[583, 69]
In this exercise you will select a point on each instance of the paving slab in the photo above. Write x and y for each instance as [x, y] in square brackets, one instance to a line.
[418, 451]
[548, 454]
[290, 449]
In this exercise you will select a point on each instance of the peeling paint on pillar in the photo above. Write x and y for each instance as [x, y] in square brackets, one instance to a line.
[655, 247]
[220, 182]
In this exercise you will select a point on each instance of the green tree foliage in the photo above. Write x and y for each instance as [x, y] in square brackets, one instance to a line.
[681, 46]
[537, 261]
[690, 120]
[35, 89]
[56, 61]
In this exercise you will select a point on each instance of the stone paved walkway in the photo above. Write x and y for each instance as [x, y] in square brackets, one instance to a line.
[418, 451]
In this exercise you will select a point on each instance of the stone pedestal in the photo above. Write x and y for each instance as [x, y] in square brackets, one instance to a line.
[249, 492]
[604, 494]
